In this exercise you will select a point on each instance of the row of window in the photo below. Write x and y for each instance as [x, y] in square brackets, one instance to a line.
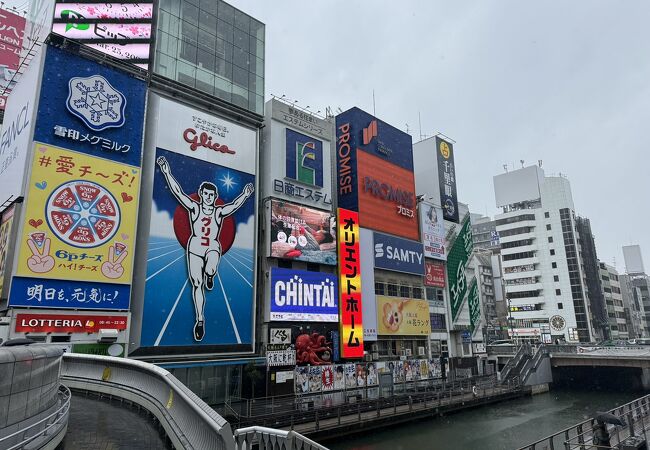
[521, 255]
[515, 219]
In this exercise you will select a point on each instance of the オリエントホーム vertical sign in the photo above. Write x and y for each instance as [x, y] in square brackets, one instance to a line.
[351, 320]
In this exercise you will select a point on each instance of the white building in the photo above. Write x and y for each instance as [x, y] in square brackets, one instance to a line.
[542, 277]
[614, 300]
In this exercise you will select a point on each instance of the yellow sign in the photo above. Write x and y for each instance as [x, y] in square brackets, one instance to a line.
[444, 149]
[402, 317]
[80, 218]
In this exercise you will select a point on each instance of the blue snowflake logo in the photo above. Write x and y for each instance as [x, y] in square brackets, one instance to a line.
[96, 102]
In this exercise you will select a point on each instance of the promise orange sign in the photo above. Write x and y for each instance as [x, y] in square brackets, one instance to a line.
[351, 323]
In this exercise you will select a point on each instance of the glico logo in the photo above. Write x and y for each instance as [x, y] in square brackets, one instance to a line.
[304, 158]
[204, 140]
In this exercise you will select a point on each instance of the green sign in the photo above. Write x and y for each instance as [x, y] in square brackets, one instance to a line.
[474, 306]
[456, 264]
[99, 349]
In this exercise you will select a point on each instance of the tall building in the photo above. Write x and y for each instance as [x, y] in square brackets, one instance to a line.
[592, 279]
[635, 289]
[543, 279]
[611, 292]
[633, 259]
[484, 233]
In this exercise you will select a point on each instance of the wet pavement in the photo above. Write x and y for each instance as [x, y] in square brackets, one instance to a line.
[98, 424]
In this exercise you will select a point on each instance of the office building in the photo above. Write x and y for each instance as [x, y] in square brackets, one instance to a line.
[611, 291]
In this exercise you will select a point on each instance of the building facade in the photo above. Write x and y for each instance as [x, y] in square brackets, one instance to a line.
[611, 289]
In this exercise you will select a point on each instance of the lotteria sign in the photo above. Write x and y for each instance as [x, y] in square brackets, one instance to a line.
[298, 295]
[400, 255]
[68, 323]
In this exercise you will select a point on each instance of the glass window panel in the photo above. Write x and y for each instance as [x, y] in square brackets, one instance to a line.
[169, 23]
[224, 69]
[240, 77]
[223, 88]
[259, 67]
[171, 6]
[208, 22]
[168, 44]
[259, 85]
[188, 52]
[186, 73]
[205, 81]
[240, 97]
[240, 58]
[226, 12]
[404, 291]
[209, 6]
[190, 13]
[241, 39]
[257, 29]
[225, 30]
[207, 41]
[205, 60]
[242, 21]
[189, 33]
[193, 2]
[256, 103]
[166, 65]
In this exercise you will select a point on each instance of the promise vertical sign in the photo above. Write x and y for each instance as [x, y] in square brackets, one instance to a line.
[351, 324]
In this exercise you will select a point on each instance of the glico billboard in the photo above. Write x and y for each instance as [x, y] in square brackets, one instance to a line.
[374, 167]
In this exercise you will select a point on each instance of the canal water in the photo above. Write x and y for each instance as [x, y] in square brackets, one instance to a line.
[501, 426]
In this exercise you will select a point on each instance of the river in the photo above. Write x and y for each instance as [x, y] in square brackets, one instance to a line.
[502, 426]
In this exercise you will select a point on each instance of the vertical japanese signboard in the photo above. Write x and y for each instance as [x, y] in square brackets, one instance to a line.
[434, 274]
[77, 241]
[351, 321]
[447, 179]
[432, 227]
[456, 264]
[474, 306]
[12, 27]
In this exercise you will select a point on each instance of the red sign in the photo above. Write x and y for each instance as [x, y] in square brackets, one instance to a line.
[350, 284]
[386, 197]
[67, 323]
[435, 274]
[204, 140]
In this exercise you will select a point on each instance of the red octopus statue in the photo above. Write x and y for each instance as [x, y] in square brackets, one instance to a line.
[309, 346]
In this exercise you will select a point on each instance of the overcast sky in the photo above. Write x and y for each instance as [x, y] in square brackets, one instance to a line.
[564, 82]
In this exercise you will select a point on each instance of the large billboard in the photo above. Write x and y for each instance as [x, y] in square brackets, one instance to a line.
[456, 265]
[200, 258]
[17, 129]
[6, 222]
[397, 254]
[374, 166]
[296, 156]
[12, 28]
[447, 179]
[402, 316]
[77, 241]
[121, 30]
[473, 301]
[351, 308]
[303, 234]
[432, 226]
[434, 274]
[298, 295]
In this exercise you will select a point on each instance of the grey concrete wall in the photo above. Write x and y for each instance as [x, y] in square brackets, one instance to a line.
[542, 375]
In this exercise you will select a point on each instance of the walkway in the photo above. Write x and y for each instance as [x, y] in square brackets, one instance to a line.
[100, 424]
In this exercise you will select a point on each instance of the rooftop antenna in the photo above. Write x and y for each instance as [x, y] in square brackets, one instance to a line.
[407, 128]
[505, 167]
[539, 161]
[374, 110]
[522, 163]
[420, 124]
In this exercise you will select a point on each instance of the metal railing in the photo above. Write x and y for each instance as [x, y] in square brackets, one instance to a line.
[54, 423]
[524, 351]
[635, 415]
[270, 438]
[533, 363]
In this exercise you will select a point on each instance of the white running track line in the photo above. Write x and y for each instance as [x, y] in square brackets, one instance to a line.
[240, 262]
[160, 270]
[243, 255]
[232, 319]
[162, 246]
[235, 269]
[169, 316]
[160, 256]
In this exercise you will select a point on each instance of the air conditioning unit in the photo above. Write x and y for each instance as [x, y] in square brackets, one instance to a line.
[374, 347]
[408, 352]
[402, 352]
[367, 357]
[107, 336]
[421, 351]
[375, 356]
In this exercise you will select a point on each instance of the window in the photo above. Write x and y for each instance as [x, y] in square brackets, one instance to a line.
[550, 239]
[552, 252]
[558, 292]
[560, 306]
[554, 265]
[380, 288]
[417, 292]
[435, 294]
[547, 214]
[548, 226]
[405, 291]
[556, 278]
[437, 321]
[392, 290]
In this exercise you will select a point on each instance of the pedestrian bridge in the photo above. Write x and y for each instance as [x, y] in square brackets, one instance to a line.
[43, 395]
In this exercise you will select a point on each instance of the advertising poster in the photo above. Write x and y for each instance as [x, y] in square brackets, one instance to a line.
[339, 377]
[6, 221]
[457, 260]
[315, 380]
[409, 371]
[369, 307]
[434, 274]
[200, 253]
[12, 28]
[447, 179]
[350, 376]
[298, 295]
[432, 225]
[399, 255]
[435, 368]
[351, 305]
[361, 375]
[402, 317]
[424, 369]
[372, 378]
[398, 371]
[302, 380]
[473, 301]
[68, 323]
[303, 234]
[327, 378]
[314, 346]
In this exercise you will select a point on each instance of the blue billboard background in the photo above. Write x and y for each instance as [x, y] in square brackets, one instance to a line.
[286, 281]
[382, 140]
[57, 125]
[169, 315]
[397, 254]
[68, 294]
